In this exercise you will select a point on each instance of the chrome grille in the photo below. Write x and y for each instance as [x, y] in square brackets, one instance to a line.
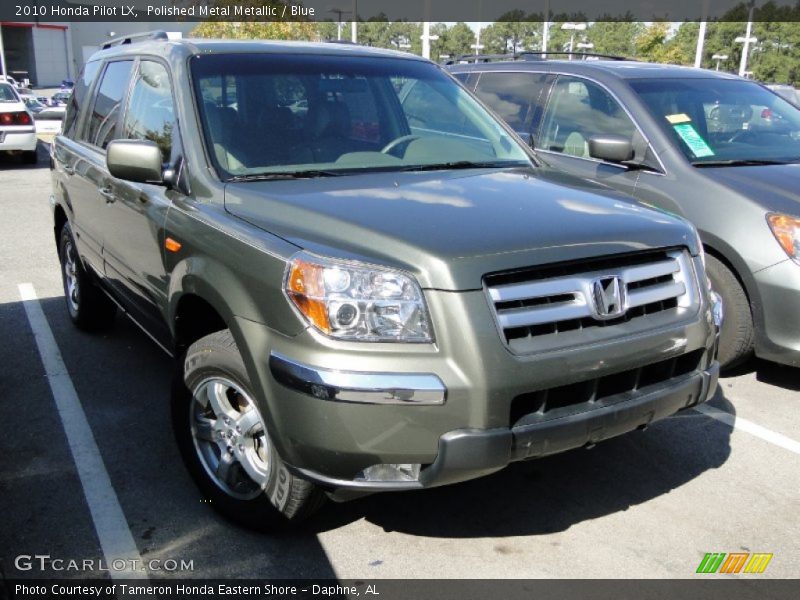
[558, 301]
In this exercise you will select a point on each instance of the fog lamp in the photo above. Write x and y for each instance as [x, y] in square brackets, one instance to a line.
[390, 472]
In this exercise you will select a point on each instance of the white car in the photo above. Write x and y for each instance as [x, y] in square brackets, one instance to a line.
[49, 120]
[17, 129]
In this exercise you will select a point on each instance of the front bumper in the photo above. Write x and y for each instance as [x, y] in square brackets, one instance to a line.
[337, 408]
[465, 454]
[778, 330]
[18, 140]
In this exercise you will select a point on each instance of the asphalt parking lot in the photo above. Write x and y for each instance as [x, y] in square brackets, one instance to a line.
[647, 505]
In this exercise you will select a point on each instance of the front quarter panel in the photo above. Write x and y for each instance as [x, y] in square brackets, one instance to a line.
[237, 269]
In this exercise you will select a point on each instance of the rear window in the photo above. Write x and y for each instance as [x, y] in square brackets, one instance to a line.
[7, 93]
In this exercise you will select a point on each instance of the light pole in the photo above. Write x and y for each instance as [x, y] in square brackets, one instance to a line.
[573, 27]
[2, 55]
[701, 36]
[719, 58]
[338, 12]
[746, 40]
[427, 38]
[545, 28]
[354, 37]
[477, 46]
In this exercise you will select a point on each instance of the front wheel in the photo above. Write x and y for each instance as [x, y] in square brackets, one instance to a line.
[736, 335]
[223, 439]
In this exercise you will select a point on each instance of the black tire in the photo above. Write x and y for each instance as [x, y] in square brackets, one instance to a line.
[274, 500]
[736, 337]
[89, 308]
[29, 157]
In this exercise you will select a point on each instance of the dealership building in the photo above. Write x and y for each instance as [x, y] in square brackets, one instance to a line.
[47, 53]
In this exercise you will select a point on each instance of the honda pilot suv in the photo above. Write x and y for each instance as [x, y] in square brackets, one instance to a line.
[357, 301]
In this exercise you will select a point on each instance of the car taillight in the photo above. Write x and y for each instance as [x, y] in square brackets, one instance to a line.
[15, 118]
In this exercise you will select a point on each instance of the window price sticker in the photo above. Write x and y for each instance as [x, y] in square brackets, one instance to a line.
[691, 138]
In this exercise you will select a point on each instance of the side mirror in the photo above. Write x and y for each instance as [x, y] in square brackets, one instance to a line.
[611, 147]
[135, 160]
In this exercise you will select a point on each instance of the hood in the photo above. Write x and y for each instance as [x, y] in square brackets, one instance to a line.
[773, 187]
[450, 228]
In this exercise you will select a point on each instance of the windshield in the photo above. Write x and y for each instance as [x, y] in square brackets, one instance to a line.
[723, 121]
[7, 93]
[323, 115]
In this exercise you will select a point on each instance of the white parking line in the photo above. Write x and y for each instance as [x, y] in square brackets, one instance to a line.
[112, 529]
[765, 434]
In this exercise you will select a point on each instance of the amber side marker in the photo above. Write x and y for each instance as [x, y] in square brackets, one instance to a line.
[172, 245]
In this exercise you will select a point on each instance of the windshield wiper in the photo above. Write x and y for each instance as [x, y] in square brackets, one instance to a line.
[466, 164]
[283, 175]
[750, 162]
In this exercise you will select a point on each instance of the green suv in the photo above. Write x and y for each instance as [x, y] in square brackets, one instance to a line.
[357, 301]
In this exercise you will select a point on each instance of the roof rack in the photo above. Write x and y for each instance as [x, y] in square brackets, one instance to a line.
[529, 56]
[480, 58]
[135, 37]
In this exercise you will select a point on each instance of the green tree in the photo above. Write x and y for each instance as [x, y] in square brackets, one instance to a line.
[650, 42]
[453, 41]
[511, 33]
[256, 29]
[617, 38]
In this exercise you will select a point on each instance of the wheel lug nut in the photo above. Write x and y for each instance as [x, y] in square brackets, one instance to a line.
[241, 447]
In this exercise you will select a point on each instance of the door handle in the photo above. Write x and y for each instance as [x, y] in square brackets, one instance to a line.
[69, 170]
[108, 194]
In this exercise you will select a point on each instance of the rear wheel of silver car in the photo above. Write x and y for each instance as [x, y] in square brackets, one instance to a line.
[89, 308]
[736, 336]
[224, 440]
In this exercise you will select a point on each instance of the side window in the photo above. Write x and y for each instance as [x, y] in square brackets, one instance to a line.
[106, 108]
[151, 114]
[427, 110]
[82, 85]
[516, 97]
[579, 109]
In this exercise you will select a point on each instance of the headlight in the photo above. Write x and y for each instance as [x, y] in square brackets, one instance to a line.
[786, 230]
[351, 301]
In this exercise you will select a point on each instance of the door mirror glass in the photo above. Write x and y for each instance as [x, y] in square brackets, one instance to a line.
[610, 147]
[135, 160]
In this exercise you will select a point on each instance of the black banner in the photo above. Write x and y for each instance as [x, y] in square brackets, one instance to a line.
[390, 10]
[747, 587]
